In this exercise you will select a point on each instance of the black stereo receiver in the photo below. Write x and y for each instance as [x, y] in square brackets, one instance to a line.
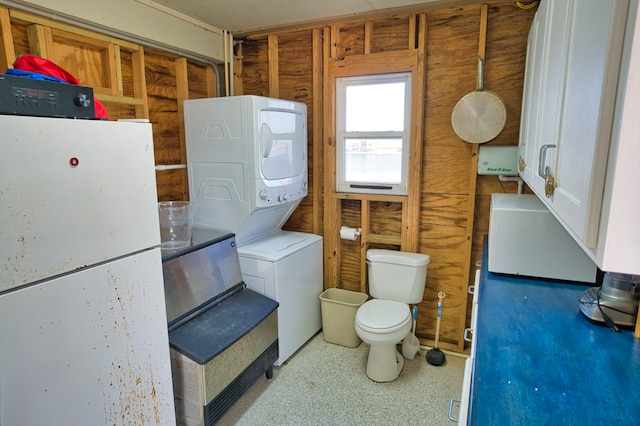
[41, 98]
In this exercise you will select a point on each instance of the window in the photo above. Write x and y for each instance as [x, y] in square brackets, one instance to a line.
[373, 122]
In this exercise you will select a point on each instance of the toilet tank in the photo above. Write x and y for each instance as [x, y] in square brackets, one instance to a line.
[397, 275]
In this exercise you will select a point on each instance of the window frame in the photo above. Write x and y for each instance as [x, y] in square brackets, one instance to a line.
[344, 186]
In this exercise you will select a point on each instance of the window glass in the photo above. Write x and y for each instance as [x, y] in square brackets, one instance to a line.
[373, 133]
[375, 107]
[373, 160]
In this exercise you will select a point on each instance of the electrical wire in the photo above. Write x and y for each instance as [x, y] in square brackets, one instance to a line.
[610, 323]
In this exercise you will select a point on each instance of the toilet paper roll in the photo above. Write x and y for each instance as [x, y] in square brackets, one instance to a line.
[347, 233]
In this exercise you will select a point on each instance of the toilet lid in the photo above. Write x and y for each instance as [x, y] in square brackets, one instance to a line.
[382, 315]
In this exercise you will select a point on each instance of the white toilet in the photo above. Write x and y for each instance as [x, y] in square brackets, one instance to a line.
[396, 279]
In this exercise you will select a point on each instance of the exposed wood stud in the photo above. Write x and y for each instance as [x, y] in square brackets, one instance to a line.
[9, 57]
[332, 206]
[230, 64]
[274, 87]
[39, 37]
[317, 131]
[117, 68]
[182, 85]
[211, 77]
[335, 42]
[139, 83]
[368, 31]
[111, 71]
[237, 74]
[473, 177]
[411, 210]
[228, 83]
[412, 32]
[365, 217]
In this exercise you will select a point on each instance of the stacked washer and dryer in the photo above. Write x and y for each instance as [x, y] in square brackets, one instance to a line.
[247, 164]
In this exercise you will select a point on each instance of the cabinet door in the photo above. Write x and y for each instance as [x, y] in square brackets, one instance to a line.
[542, 97]
[595, 33]
[573, 58]
[553, 39]
[531, 95]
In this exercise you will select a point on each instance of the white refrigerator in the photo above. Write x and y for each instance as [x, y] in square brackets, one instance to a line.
[83, 329]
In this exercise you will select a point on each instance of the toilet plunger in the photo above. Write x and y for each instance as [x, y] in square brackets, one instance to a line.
[435, 356]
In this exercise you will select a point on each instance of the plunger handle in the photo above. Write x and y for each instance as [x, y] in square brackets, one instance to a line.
[441, 295]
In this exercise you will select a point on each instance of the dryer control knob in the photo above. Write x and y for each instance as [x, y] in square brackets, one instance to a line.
[263, 194]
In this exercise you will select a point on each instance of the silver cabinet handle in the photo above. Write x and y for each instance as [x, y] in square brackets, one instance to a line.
[542, 159]
[471, 289]
[453, 402]
[466, 335]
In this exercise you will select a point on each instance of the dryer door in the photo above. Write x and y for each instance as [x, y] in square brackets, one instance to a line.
[283, 144]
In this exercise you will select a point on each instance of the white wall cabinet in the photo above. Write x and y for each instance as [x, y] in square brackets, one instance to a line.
[576, 118]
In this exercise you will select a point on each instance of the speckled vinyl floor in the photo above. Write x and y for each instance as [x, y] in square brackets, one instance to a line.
[326, 384]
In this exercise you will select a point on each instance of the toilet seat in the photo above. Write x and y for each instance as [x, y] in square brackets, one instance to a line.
[380, 316]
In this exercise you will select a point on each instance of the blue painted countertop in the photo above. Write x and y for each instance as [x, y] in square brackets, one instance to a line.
[540, 362]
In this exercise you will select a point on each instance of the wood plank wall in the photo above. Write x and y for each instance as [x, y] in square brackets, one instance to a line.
[142, 82]
[454, 202]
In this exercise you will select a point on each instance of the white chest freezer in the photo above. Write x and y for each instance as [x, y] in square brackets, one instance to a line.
[287, 266]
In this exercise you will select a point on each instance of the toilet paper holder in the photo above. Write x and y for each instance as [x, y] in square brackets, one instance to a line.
[347, 233]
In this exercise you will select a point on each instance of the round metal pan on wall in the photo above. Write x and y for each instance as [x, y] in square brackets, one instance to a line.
[479, 116]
